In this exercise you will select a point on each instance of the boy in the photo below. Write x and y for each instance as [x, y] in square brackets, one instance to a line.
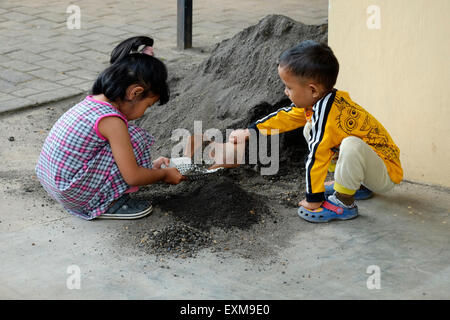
[333, 124]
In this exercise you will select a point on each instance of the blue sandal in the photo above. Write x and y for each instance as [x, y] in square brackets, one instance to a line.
[128, 208]
[328, 211]
[361, 194]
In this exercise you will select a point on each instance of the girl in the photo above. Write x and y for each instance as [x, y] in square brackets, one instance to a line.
[93, 158]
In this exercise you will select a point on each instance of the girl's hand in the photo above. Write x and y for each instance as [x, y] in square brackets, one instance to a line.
[239, 136]
[172, 176]
[310, 205]
[161, 160]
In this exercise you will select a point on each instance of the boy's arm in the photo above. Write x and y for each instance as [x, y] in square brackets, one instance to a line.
[283, 120]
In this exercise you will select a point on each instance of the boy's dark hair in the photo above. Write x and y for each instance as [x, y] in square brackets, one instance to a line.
[313, 60]
[129, 66]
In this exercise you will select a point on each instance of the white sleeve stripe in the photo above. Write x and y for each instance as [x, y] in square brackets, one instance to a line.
[286, 109]
[317, 120]
[315, 138]
[314, 122]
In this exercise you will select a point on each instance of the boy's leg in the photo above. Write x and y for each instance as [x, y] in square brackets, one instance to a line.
[359, 164]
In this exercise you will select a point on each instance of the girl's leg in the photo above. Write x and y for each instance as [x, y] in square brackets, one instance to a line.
[359, 164]
[141, 141]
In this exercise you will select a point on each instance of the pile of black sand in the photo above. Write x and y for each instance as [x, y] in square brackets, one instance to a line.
[193, 215]
[175, 239]
[218, 202]
[236, 85]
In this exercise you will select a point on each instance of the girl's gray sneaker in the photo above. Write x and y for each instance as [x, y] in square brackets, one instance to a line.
[128, 208]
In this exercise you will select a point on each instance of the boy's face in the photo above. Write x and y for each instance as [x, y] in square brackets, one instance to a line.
[303, 93]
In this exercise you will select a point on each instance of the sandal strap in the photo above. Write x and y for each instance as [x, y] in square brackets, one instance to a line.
[332, 207]
[119, 203]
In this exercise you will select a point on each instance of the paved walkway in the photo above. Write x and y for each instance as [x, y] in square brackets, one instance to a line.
[404, 233]
[42, 60]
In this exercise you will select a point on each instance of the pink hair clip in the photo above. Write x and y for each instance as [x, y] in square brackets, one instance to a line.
[148, 50]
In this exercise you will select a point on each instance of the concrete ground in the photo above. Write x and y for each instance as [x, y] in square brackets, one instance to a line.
[402, 237]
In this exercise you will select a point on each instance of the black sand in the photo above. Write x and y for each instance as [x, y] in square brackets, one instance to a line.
[236, 85]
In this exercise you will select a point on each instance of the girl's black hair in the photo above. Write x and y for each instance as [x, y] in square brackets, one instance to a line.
[313, 60]
[128, 67]
[130, 45]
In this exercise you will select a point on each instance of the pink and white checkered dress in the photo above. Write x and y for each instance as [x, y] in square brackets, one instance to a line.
[76, 166]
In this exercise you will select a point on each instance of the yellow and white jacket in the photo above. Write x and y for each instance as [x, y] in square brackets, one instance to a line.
[332, 119]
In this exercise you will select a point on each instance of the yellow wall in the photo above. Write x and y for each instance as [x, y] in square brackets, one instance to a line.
[401, 74]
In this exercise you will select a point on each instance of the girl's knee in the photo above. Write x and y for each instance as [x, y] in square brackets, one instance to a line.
[133, 130]
[141, 142]
[140, 137]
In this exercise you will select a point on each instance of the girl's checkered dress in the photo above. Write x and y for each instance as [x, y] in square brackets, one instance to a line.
[76, 165]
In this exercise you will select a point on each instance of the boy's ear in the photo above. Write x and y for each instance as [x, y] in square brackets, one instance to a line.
[315, 90]
[134, 91]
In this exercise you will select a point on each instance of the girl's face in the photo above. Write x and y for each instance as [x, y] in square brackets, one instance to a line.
[302, 92]
[135, 106]
[135, 109]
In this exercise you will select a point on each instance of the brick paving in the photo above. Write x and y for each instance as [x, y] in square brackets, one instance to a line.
[42, 60]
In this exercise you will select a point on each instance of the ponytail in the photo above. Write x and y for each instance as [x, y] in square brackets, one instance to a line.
[130, 45]
[130, 66]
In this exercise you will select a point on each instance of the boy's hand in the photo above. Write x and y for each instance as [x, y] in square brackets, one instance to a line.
[160, 161]
[239, 136]
[226, 155]
[172, 176]
[310, 205]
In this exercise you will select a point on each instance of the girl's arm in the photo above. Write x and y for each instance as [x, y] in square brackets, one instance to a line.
[115, 131]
